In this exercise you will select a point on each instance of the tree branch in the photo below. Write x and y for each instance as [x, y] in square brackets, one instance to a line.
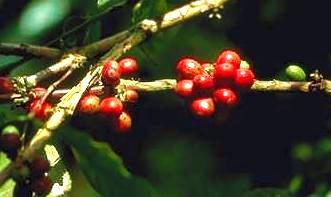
[30, 50]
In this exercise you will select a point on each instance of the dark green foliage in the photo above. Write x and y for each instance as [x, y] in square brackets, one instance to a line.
[268, 192]
[104, 168]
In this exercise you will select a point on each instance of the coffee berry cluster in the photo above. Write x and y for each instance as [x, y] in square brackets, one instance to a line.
[207, 86]
[111, 106]
[31, 176]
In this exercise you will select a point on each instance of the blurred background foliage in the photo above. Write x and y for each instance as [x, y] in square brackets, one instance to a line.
[271, 145]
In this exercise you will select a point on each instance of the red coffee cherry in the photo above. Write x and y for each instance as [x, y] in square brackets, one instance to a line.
[42, 111]
[39, 166]
[225, 97]
[42, 186]
[6, 86]
[203, 107]
[230, 57]
[123, 123]
[244, 78]
[225, 71]
[184, 88]
[38, 92]
[203, 82]
[128, 66]
[89, 104]
[131, 96]
[10, 142]
[188, 68]
[111, 73]
[111, 107]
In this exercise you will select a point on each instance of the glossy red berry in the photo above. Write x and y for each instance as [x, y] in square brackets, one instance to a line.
[203, 107]
[230, 57]
[184, 88]
[131, 96]
[6, 85]
[42, 185]
[89, 104]
[225, 97]
[188, 68]
[111, 73]
[225, 71]
[111, 107]
[123, 123]
[38, 92]
[203, 82]
[244, 78]
[42, 111]
[10, 142]
[39, 166]
[128, 66]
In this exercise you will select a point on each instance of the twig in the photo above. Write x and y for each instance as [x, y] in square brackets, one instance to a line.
[103, 45]
[30, 50]
[52, 87]
[61, 66]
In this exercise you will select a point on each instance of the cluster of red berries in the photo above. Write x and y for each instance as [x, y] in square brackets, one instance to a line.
[208, 85]
[112, 107]
[31, 174]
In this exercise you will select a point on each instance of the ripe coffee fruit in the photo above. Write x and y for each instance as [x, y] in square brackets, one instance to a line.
[203, 107]
[111, 107]
[123, 123]
[184, 88]
[10, 143]
[203, 82]
[89, 104]
[111, 73]
[6, 85]
[131, 96]
[128, 66]
[42, 185]
[42, 111]
[225, 97]
[187, 68]
[39, 166]
[225, 71]
[230, 57]
[244, 78]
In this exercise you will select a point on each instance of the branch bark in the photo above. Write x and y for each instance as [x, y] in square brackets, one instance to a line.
[30, 50]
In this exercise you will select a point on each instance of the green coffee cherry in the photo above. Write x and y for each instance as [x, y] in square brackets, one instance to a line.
[295, 73]
[10, 129]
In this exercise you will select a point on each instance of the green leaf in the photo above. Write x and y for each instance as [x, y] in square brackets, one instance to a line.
[109, 4]
[7, 188]
[58, 173]
[149, 9]
[268, 192]
[40, 16]
[104, 168]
